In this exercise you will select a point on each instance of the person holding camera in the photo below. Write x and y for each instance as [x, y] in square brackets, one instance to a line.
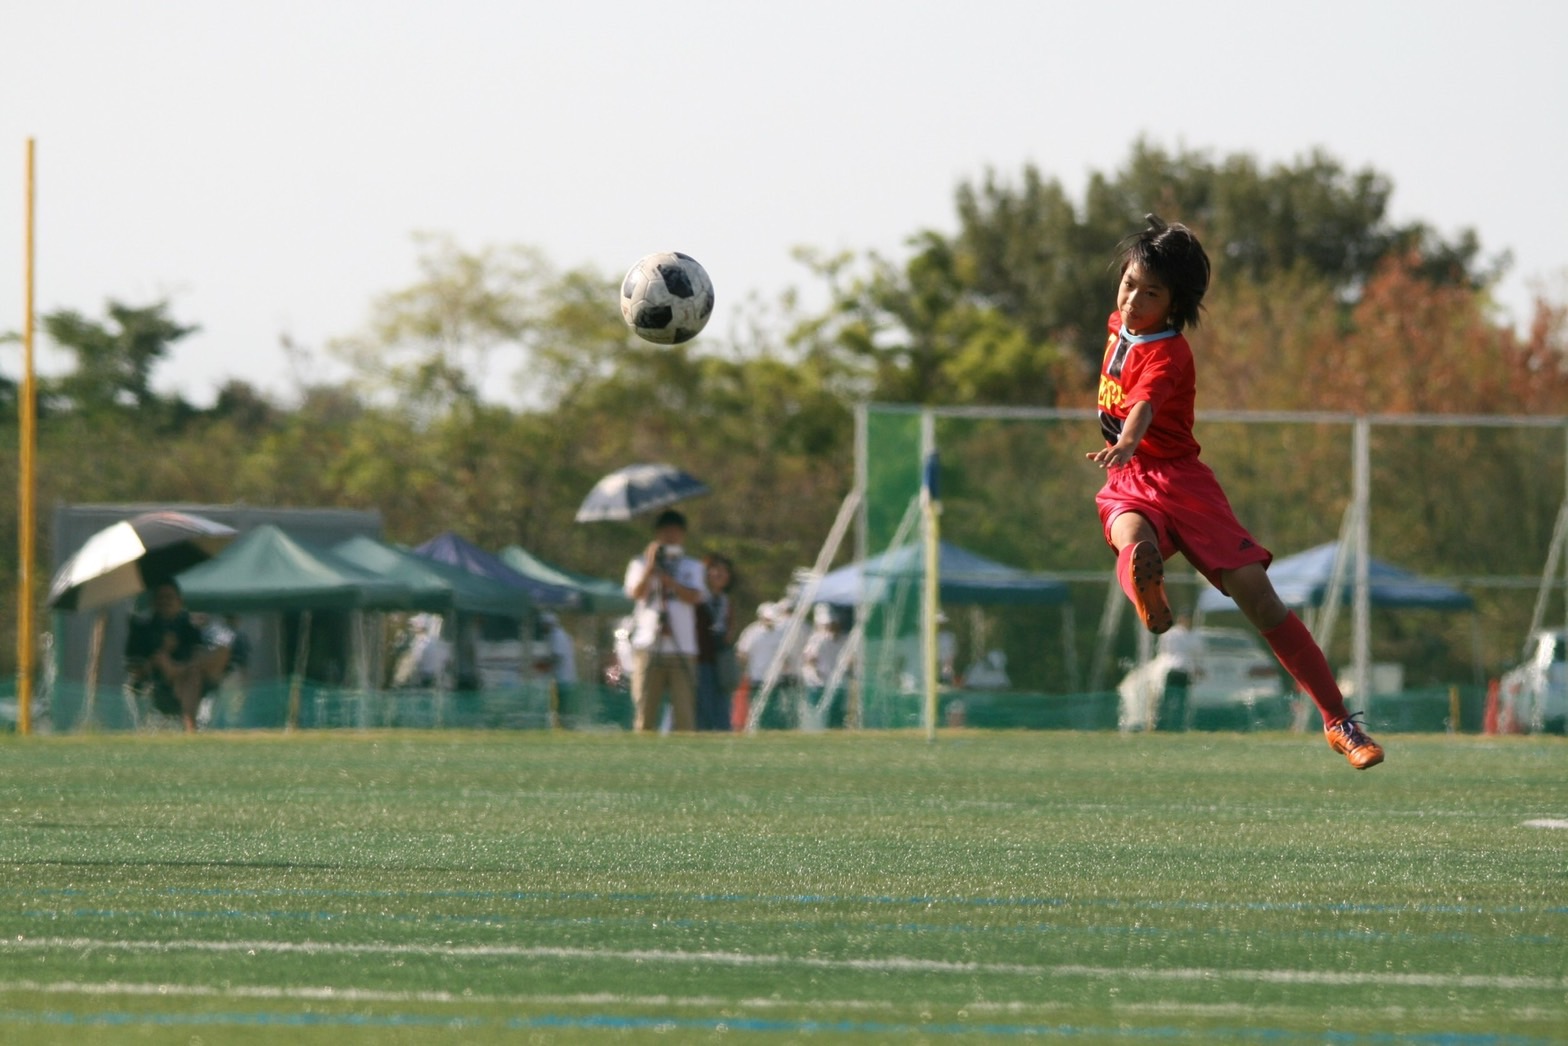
[666, 585]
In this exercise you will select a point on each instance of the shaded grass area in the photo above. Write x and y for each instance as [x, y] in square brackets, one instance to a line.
[530, 887]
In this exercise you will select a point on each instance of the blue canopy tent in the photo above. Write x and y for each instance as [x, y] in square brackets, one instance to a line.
[455, 551]
[1302, 580]
[965, 578]
[442, 587]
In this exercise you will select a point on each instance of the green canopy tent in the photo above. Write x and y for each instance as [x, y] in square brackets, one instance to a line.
[266, 570]
[598, 596]
[461, 591]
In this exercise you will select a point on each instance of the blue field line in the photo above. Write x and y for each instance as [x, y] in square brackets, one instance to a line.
[719, 1025]
[514, 921]
[820, 900]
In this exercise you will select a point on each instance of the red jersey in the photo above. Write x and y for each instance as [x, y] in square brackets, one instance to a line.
[1157, 369]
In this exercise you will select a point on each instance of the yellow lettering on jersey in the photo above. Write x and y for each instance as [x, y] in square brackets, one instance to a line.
[1111, 393]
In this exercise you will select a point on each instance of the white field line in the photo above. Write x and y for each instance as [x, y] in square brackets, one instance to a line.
[1009, 1007]
[1547, 822]
[891, 964]
[328, 993]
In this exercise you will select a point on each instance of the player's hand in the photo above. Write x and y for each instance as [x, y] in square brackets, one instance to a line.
[1112, 456]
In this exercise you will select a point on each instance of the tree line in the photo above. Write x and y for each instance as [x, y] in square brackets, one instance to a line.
[488, 395]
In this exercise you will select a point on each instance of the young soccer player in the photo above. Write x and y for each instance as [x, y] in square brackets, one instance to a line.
[1159, 499]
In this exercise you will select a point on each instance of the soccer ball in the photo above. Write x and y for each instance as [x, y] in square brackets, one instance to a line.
[667, 298]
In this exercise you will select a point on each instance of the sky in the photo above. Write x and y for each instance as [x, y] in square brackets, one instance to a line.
[264, 165]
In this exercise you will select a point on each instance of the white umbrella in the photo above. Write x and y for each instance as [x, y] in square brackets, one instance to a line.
[125, 557]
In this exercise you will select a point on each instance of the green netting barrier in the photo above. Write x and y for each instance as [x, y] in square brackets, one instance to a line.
[597, 707]
[265, 706]
[1464, 501]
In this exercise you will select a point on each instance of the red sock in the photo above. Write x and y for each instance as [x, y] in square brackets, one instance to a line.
[1304, 660]
[1124, 571]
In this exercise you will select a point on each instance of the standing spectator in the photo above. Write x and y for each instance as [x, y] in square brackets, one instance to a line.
[557, 657]
[754, 651]
[666, 585]
[824, 649]
[759, 646]
[716, 673]
[757, 643]
[912, 657]
[167, 650]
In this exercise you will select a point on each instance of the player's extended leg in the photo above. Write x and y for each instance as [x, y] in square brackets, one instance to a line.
[1285, 634]
[1141, 570]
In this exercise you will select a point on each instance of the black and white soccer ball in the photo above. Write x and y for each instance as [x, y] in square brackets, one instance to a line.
[667, 298]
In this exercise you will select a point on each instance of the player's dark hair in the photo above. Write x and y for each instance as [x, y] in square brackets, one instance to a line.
[1172, 254]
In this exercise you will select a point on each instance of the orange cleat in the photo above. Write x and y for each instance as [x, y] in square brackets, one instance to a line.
[1148, 586]
[1348, 739]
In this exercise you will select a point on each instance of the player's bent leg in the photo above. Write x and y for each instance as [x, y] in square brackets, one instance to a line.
[1141, 570]
[1147, 570]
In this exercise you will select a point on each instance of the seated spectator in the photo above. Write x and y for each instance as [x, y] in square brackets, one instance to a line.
[168, 651]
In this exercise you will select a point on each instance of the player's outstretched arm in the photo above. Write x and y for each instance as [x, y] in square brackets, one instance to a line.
[1121, 452]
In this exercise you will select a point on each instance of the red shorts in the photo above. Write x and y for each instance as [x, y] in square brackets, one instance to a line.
[1190, 514]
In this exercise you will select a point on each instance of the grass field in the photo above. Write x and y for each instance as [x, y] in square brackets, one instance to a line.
[530, 887]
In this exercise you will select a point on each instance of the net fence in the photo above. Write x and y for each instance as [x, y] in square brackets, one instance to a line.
[69, 706]
[1470, 503]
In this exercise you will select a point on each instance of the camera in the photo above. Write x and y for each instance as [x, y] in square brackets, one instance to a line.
[667, 556]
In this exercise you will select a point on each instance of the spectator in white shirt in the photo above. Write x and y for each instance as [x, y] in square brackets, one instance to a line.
[666, 585]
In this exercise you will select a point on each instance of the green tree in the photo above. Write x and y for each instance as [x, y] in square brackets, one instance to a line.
[114, 360]
[1012, 307]
[435, 343]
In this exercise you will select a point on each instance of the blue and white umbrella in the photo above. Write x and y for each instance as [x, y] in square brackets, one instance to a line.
[638, 489]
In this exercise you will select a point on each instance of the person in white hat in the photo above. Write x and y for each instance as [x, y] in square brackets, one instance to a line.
[820, 660]
[757, 644]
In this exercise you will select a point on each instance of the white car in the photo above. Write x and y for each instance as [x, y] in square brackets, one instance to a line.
[1535, 694]
[1234, 674]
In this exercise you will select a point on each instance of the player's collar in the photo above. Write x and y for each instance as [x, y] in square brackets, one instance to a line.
[1144, 339]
